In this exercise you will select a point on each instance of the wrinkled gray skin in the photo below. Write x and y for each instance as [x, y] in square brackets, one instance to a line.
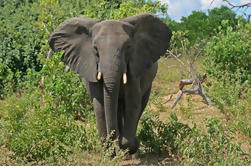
[113, 47]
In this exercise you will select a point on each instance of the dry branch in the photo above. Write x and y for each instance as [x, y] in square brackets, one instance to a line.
[172, 54]
[197, 89]
[248, 4]
[233, 6]
[170, 97]
[46, 30]
[237, 6]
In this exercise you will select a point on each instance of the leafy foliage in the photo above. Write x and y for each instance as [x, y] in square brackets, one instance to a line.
[201, 26]
[191, 145]
[230, 52]
[214, 147]
[25, 27]
[50, 122]
[228, 62]
[42, 124]
[157, 136]
[19, 40]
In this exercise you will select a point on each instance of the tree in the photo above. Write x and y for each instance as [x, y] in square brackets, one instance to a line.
[234, 6]
[196, 23]
[217, 15]
[201, 26]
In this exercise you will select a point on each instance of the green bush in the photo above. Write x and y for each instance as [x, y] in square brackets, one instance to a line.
[232, 98]
[20, 41]
[42, 124]
[25, 27]
[214, 147]
[230, 53]
[228, 63]
[191, 146]
[156, 136]
[201, 25]
[46, 122]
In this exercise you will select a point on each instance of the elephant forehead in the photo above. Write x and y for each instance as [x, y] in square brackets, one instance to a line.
[112, 27]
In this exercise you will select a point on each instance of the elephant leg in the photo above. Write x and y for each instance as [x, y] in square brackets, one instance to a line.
[128, 139]
[120, 118]
[95, 91]
[144, 101]
[100, 118]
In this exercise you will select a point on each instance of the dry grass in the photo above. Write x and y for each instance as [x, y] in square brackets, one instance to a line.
[191, 109]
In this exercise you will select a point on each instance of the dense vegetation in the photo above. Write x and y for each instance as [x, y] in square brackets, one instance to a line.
[53, 122]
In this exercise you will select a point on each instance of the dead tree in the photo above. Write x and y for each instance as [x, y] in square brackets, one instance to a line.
[244, 6]
[195, 79]
[232, 5]
[196, 82]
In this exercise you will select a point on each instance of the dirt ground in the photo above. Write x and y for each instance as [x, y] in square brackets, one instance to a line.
[150, 160]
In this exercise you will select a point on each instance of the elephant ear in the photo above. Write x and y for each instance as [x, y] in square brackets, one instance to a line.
[150, 41]
[74, 37]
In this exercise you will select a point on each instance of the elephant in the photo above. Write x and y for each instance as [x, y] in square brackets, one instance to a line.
[117, 60]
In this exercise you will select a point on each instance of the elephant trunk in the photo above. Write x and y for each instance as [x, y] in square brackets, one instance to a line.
[111, 94]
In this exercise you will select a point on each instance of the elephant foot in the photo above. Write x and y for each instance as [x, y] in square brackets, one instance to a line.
[110, 148]
[130, 144]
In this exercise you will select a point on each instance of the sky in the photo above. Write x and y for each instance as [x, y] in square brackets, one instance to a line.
[179, 8]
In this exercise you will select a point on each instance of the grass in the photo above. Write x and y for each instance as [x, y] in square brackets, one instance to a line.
[191, 118]
[191, 109]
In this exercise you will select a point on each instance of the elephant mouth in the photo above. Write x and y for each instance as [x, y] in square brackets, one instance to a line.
[99, 76]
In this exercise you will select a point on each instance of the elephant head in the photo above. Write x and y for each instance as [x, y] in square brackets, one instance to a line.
[112, 52]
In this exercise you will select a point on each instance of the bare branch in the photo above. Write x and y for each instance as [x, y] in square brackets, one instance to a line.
[185, 82]
[170, 97]
[244, 6]
[248, 17]
[233, 5]
[176, 58]
[197, 89]
[211, 2]
[46, 30]
[237, 6]
[177, 99]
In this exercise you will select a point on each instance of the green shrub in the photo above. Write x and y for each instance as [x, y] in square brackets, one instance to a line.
[156, 136]
[47, 122]
[25, 27]
[201, 25]
[232, 98]
[228, 63]
[42, 124]
[20, 41]
[225, 93]
[230, 53]
[214, 147]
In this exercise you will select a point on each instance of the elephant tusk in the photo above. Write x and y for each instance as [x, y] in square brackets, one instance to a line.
[124, 78]
[99, 75]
